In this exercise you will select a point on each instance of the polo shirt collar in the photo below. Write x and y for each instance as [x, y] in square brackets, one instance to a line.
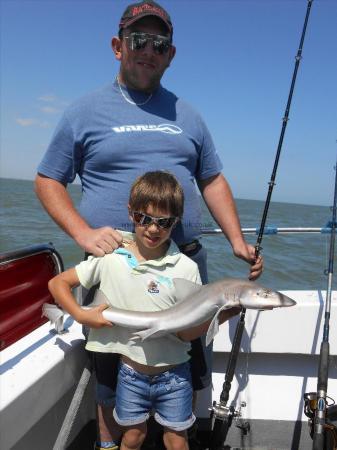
[172, 255]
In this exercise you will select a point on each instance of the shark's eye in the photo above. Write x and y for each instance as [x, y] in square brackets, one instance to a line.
[263, 294]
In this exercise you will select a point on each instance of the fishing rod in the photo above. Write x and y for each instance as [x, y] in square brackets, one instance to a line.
[320, 411]
[222, 415]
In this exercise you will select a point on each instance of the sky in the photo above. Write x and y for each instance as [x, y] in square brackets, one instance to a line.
[234, 64]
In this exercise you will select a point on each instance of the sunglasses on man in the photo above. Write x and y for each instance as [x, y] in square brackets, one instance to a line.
[138, 41]
[145, 220]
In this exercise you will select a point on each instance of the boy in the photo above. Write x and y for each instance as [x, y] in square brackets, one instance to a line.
[154, 374]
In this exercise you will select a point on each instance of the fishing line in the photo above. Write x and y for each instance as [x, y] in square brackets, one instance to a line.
[222, 415]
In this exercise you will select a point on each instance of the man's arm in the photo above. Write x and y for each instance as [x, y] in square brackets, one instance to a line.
[55, 199]
[220, 202]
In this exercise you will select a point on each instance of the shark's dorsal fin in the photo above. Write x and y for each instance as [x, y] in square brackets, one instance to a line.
[213, 328]
[184, 288]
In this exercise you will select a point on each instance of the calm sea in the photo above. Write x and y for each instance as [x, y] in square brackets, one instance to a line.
[291, 261]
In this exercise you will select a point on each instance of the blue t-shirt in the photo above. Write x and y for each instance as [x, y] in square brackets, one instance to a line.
[109, 142]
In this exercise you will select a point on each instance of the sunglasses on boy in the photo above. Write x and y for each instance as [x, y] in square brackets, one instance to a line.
[146, 220]
[138, 40]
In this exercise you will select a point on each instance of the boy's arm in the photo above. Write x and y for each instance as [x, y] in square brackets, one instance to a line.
[61, 289]
[200, 330]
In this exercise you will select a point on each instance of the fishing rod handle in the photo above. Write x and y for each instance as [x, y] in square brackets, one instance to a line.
[233, 356]
[318, 442]
[219, 433]
[323, 369]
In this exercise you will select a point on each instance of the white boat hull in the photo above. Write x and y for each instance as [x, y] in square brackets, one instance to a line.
[277, 365]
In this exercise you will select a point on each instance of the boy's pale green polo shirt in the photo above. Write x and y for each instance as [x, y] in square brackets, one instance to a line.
[144, 286]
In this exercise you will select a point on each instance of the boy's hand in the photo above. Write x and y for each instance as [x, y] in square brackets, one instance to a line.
[93, 318]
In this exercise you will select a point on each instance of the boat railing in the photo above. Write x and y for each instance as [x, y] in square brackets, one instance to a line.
[270, 230]
[31, 250]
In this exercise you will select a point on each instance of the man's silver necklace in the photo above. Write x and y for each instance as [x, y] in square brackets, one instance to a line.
[129, 100]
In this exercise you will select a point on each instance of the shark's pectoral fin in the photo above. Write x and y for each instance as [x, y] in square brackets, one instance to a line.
[145, 334]
[213, 328]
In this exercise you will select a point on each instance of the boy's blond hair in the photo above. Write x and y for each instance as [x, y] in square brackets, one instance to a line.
[159, 189]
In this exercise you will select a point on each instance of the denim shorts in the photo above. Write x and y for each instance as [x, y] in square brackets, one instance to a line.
[168, 395]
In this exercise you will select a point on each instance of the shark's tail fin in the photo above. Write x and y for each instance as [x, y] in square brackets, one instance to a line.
[52, 312]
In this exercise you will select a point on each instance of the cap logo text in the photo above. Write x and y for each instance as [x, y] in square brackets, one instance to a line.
[140, 9]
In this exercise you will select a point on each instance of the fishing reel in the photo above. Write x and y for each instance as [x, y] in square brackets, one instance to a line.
[226, 414]
[330, 428]
[310, 405]
[222, 417]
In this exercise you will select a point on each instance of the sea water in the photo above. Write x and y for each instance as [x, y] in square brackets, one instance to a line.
[295, 261]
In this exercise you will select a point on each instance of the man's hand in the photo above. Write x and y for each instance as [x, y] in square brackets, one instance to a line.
[99, 241]
[247, 253]
[93, 317]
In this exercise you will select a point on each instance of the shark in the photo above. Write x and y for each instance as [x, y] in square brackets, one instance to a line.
[195, 305]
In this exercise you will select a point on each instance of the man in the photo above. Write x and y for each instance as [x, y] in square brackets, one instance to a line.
[119, 132]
